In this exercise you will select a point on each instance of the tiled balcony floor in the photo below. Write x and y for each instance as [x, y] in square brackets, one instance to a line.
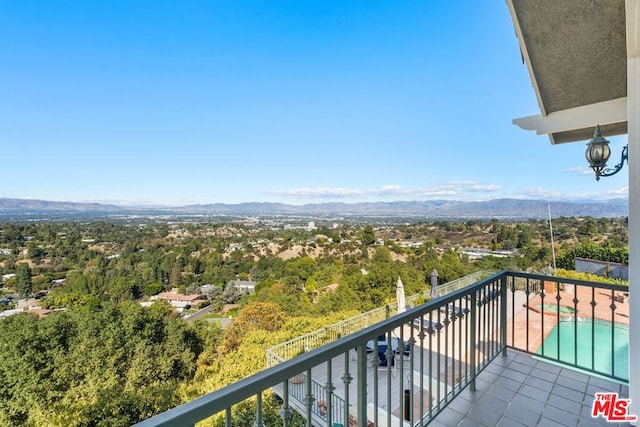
[518, 390]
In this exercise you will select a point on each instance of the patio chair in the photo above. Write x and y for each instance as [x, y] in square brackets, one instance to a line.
[457, 310]
[429, 326]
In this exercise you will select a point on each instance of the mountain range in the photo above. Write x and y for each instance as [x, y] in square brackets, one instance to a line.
[497, 208]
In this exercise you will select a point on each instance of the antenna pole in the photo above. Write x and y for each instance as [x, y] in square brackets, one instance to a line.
[553, 250]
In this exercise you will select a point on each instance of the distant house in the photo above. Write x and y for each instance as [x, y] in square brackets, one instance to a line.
[247, 286]
[8, 276]
[207, 289]
[178, 300]
[330, 288]
[7, 313]
[28, 304]
[234, 247]
[58, 282]
[227, 308]
[480, 253]
[40, 312]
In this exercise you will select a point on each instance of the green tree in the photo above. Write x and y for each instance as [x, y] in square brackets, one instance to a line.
[256, 316]
[24, 285]
[176, 275]
[112, 365]
[368, 236]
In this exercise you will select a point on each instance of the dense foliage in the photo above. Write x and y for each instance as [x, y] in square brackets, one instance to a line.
[102, 359]
[108, 366]
[593, 251]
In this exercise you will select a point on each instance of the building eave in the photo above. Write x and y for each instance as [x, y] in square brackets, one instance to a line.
[577, 124]
[576, 55]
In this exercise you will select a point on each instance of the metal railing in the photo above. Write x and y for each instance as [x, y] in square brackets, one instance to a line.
[296, 346]
[372, 377]
[298, 393]
[439, 349]
[577, 323]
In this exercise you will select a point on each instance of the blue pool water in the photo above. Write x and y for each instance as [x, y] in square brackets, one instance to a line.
[553, 309]
[602, 361]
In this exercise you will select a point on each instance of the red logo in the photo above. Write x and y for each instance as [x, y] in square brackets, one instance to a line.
[611, 408]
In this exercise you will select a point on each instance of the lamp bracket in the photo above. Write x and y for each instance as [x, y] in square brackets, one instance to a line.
[616, 168]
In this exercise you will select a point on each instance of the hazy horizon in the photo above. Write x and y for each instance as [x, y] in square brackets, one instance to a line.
[158, 205]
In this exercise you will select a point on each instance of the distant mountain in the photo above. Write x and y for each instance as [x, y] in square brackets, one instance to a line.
[27, 205]
[498, 208]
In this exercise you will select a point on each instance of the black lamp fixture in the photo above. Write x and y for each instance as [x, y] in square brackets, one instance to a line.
[598, 153]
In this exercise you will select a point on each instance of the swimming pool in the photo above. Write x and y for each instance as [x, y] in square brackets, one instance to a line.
[553, 309]
[603, 361]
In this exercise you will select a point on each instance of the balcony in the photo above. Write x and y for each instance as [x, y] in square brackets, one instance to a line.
[509, 349]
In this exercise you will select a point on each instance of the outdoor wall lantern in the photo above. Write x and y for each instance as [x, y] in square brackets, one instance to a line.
[598, 153]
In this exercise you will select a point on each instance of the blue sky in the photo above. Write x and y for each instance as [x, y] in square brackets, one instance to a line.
[169, 102]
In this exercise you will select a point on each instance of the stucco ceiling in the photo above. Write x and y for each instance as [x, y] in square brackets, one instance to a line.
[575, 51]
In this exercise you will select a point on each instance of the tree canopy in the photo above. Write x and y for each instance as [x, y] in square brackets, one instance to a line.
[114, 365]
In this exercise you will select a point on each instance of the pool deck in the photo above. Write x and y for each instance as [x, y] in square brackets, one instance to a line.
[541, 323]
[514, 390]
[520, 390]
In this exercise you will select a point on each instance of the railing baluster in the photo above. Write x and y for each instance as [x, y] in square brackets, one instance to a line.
[421, 381]
[484, 335]
[503, 314]
[542, 295]
[308, 398]
[388, 370]
[399, 355]
[438, 353]
[495, 340]
[258, 422]
[412, 346]
[466, 339]
[613, 324]
[497, 315]
[329, 389]
[431, 332]
[558, 318]
[227, 421]
[460, 341]
[575, 322]
[346, 380]
[513, 308]
[448, 315]
[593, 328]
[362, 385]
[472, 339]
[376, 387]
[491, 315]
[527, 293]
[285, 413]
[456, 319]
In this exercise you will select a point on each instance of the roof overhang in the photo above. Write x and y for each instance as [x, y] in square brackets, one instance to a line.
[576, 54]
[577, 124]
